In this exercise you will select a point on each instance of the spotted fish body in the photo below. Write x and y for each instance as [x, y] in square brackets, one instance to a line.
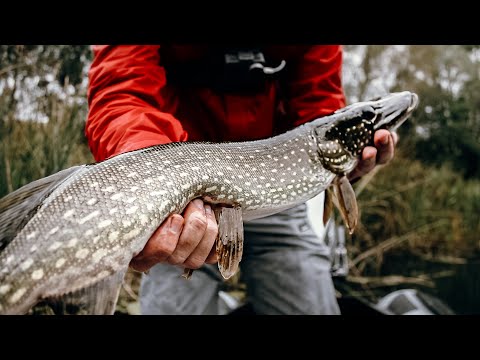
[85, 227]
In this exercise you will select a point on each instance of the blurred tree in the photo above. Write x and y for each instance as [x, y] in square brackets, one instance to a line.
[446, 126]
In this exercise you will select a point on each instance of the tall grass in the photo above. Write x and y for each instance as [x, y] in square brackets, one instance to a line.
[30, 150]
[426, 211]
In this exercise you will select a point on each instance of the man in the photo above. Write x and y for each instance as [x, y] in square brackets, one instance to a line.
[146, 95]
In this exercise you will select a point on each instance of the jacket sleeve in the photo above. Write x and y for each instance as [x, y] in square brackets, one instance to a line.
[125, 101]
[314, 88]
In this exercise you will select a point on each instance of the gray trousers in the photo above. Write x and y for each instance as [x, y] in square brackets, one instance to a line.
[285, 266]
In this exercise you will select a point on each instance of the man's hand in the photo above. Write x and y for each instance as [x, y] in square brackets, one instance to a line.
[382, 153]
[185, 240]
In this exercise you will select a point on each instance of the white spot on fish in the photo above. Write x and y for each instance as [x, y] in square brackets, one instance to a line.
[132, 234]
[113, 211]
[157, 193]
[131, 210]
[89, 217]
[88, 232]
[211, 188]
[126, 223]
[185, 186]
[220, 173]
[82, 253]
[113, 236]
[195, 168]
[4, 289]
[104, 223]
[54, 246]
[67, 214]
[31, 235]
[143, 219]
[133, 173]
[150, 206]
[208, 164]
[37, 274]
[131, 199]
[98, 255]
[60, 263]
[94, 184]
[183, 174]
[148, 181]
[239, 189]
[92, 201]
[17, 295]
[108, 189]
[205, 177]
[26, 264]
[169, 183]
[54, 230]
[116, 196]
[33, 248]
[72, 242]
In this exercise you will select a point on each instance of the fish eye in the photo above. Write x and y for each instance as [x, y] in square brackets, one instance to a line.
[368, 114]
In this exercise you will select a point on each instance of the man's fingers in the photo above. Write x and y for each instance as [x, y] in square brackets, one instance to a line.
[202, 251]
[385, 144]
[193, 232]
[161, 244]
[366, 163]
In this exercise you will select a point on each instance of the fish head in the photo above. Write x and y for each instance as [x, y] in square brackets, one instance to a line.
[349, 130]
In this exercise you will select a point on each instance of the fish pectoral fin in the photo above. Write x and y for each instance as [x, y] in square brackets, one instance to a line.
[229, 243]
[327, 206]
[97, 299]
[346, 202]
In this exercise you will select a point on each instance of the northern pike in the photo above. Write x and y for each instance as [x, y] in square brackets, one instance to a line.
[70, 237]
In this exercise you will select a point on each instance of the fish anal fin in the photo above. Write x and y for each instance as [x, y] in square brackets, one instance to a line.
[229, 243]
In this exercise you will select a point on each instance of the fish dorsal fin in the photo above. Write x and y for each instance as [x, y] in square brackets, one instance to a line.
[346, 202]
[229, 245]
[20, 205]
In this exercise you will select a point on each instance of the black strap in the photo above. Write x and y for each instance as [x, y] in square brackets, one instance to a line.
[227, 70]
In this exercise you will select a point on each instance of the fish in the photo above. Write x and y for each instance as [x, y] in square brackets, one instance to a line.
[68, 239]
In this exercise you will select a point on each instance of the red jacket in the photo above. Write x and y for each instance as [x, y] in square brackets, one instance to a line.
[131, 105]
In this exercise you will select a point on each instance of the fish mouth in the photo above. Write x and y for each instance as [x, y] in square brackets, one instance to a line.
[395, 109]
